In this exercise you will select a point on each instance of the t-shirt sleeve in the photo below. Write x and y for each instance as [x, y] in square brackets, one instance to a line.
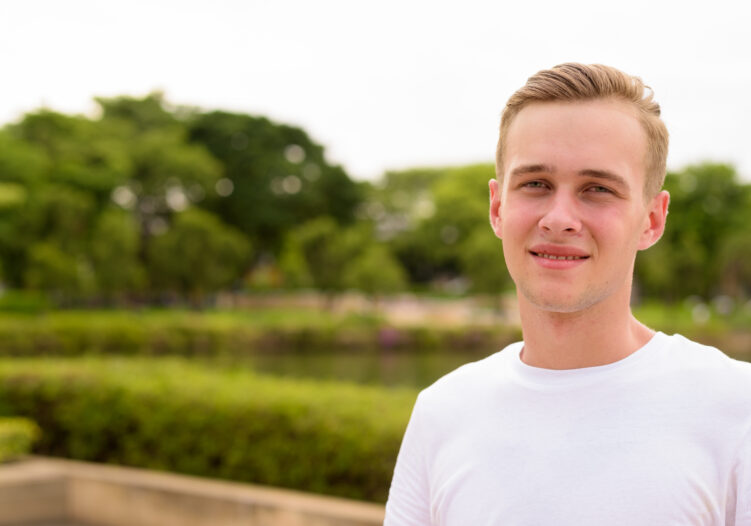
[409, 497]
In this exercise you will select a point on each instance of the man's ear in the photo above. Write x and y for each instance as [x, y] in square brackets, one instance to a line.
[495, 207]
[654, 223]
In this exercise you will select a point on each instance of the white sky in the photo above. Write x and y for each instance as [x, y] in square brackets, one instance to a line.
[387, 84]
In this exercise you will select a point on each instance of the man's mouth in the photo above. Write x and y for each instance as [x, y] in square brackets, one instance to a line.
[553, 256]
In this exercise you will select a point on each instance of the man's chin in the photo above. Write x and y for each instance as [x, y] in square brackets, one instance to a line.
[558, 304]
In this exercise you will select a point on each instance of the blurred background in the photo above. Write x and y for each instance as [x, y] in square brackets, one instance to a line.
[275, 214]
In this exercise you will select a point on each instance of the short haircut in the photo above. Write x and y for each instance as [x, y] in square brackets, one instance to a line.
[583, 82]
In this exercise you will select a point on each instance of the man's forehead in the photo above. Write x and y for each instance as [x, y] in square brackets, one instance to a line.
[602, 139]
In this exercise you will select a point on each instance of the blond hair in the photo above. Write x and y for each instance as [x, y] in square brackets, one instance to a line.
[582, 82]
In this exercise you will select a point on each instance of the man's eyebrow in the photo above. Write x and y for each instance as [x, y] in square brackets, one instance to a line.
[604, 174]
[532, 169]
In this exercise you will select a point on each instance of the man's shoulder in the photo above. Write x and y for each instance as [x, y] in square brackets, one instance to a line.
[707, 363]
[694, 353]
[472, 379]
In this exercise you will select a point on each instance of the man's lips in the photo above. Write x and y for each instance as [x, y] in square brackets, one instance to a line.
[558, 252]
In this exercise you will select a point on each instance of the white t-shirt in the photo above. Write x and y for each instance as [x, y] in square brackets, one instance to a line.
[660, 438]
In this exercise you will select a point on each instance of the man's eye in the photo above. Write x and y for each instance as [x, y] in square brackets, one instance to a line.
[600, 189]
[534, 184]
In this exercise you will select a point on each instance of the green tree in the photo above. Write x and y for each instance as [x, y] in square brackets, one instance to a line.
[708, 207]
[337, 258]
[736, 266]
[326, 251]
[167, 173]
[51, 269]
[429, 214]
[21, 162]
[115, 248]
[483, 263]
[375, 271]
[197, 255]
[82, 153]
[277, 177]
[147, 113]
[43, 213]
[60, 213]
[61, 174]
[293, 266]
[13, 245]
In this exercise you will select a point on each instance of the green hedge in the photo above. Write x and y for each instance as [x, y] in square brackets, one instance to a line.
[16, 437]
[190, 333]
[167, 414]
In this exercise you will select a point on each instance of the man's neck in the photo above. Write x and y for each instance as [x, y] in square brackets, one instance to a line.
[599, 335]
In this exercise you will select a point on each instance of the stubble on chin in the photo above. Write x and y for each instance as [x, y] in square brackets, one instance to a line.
[558, 303]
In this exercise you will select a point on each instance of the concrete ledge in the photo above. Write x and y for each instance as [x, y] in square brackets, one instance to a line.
[45, 489]
[31, 491]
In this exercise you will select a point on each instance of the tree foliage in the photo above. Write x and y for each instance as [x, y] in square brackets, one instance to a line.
[278, 177]
[151, 198]
[709, 207]
[197, 255]
[114, 250]
[428, 215]
[51, 269]
[483, 263]
[326, 251]
[375, 271]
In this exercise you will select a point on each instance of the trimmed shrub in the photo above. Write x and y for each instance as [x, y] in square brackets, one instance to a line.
[189, 333]
[16, 437]
[324, 437]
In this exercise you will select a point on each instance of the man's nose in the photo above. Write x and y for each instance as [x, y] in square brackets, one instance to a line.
[561, 216]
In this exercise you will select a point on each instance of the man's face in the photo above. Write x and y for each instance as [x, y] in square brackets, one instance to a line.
[572, 212]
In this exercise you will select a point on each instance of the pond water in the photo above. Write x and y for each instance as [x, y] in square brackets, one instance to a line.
[380, 367]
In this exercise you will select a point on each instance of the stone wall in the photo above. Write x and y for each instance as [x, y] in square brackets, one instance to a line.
[44, 489]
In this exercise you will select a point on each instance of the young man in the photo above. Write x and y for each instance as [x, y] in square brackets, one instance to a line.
[594, 418]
